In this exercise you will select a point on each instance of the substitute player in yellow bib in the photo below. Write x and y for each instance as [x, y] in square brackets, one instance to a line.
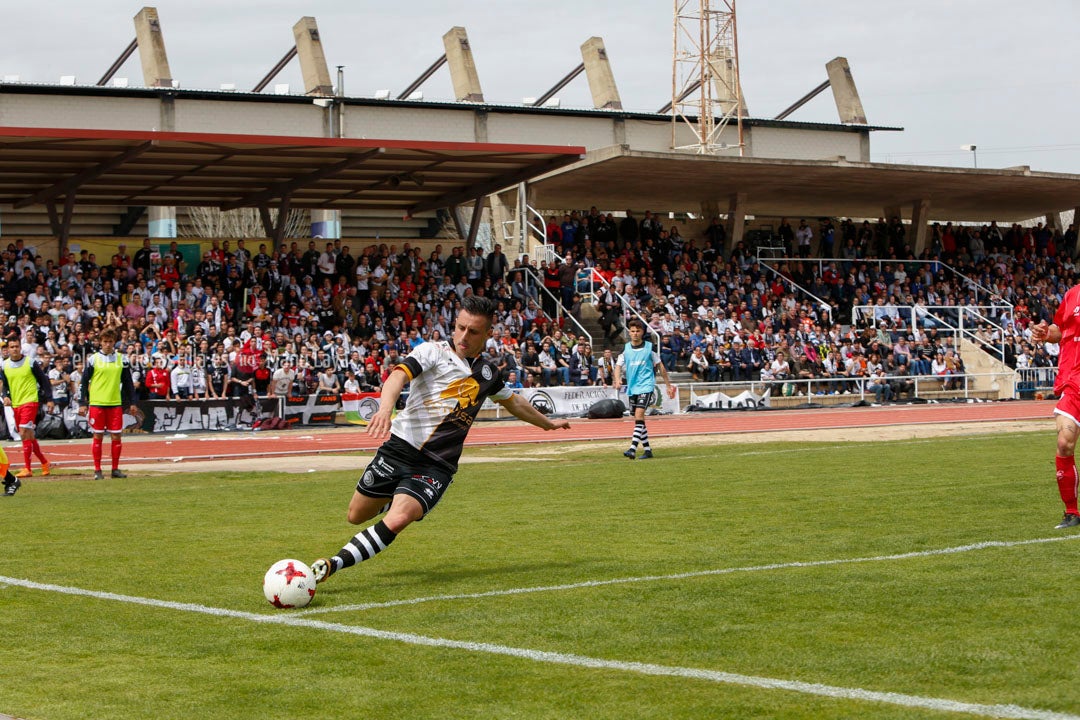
[107, 387]
[25, 387]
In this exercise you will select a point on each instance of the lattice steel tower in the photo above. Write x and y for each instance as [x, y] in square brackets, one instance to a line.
[705, 92]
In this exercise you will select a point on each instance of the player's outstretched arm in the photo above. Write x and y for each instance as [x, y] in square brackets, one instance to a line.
[522, 409]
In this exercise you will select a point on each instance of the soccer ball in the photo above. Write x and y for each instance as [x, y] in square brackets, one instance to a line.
[289, 584]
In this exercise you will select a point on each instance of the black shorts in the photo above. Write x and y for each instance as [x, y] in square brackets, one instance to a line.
[644, 400]
[398, 468]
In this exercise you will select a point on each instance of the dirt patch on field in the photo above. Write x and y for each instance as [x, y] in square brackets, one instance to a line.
[324, 463]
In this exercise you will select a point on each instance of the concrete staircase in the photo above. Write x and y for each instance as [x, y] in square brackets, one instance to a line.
[990, 373]
[590, 320]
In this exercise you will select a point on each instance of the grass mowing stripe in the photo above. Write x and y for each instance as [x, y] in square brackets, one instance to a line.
[697, 573]
[936, 704]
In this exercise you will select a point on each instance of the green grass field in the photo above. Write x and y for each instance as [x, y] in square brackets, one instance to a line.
[990, 626]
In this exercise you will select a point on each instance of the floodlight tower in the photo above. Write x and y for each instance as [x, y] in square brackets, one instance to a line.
[705, 91]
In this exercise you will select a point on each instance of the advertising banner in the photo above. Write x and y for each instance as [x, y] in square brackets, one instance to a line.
[196, 415]
[312, 409]
[359, 407]
[575, 401]
[745, 400]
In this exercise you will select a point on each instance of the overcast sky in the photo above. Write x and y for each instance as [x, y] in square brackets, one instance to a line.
[998, 74]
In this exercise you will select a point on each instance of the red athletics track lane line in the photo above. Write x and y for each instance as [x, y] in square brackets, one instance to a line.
[148, 449]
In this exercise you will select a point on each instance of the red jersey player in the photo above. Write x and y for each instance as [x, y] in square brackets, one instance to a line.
[1065, 330]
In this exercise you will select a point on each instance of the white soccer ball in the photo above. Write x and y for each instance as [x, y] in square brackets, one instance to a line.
[289, 584]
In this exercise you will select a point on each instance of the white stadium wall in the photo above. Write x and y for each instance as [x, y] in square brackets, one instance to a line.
[804, 144]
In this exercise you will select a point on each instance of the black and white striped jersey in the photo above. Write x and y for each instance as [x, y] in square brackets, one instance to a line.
[445, 395]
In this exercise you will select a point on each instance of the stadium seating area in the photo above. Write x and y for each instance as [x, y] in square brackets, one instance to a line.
[308, 319]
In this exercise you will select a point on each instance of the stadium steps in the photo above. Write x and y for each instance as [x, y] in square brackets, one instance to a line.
[990, 373]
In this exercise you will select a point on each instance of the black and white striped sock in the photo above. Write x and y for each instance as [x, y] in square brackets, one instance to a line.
[364, 546]
[639, 434]
[642, 433]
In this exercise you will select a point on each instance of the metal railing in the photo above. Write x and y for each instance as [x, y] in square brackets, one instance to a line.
[961, 321]
[823, 305]
[1035, 381]
[983, 294]
[856, 387]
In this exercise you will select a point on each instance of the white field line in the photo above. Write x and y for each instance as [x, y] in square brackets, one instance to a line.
[581, 661]
[698, 573]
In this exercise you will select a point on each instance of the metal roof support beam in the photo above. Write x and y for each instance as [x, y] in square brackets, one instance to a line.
[276, 230]
[803, 100]
[68, 187]
[54, 219]
[275, 70]
[461, 231]
[61, 225]
[119, 62]
[559, 85]
[694, 85]
[128, 219]
[288, 187]
[474, 222]
[493, 185]
[268, 224]
[422, 79]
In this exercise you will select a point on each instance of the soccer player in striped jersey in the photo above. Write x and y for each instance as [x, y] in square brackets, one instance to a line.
[107, 387]
[25, 387]
[448, 382]
[638, 364]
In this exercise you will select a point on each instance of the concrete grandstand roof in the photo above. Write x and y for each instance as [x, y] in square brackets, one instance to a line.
[143, 168]
[617, 177]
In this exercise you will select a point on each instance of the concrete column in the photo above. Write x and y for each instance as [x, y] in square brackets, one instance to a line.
[848, 104]
[312, 60]
[1076, 222]
[326, 224]
[151, 41]
[462, 68]
[605, 93]
[920, 220]
[725, 82]
[736, 221]
[480, 126]
[891, 211]
[162, 221]
[504, 209]
[1053, 220]
[618, 131]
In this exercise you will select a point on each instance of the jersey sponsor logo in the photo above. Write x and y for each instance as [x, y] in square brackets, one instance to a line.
[428, 480]
[464, 390]
[384, 466]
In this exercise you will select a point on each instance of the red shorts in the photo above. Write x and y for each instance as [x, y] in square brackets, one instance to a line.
[106, 419]
[26, 415]
[1069, 406]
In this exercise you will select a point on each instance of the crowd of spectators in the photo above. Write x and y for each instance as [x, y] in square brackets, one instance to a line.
[313, 317]
[729, 318]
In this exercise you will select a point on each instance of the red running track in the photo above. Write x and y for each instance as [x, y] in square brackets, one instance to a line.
[179, 448]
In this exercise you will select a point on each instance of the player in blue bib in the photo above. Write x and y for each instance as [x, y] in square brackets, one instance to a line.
[639, 364]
